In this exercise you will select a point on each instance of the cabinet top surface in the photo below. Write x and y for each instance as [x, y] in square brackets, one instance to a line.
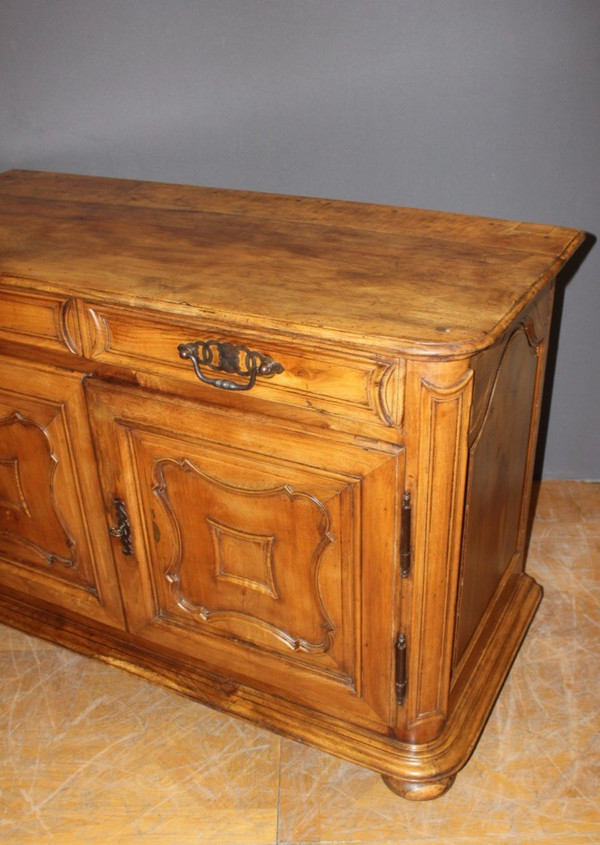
[420, 282]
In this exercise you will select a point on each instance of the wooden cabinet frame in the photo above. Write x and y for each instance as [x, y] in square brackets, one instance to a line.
[276, 454]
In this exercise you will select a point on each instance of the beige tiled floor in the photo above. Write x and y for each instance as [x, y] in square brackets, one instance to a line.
[89, 753]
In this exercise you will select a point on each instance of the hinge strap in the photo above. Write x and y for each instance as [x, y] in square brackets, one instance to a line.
[401, 679]
[405, 529]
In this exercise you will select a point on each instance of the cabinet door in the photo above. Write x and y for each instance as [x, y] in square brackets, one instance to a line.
[53, 543]
[266, 555]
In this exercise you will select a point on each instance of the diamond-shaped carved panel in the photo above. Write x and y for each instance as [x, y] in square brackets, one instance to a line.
[244, 557]
[248, 561]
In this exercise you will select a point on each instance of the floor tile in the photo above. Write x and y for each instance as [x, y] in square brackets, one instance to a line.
[536, 771]
[88, 746]
[90, 753]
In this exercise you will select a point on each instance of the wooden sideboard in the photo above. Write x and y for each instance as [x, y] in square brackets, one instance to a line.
[275, 453]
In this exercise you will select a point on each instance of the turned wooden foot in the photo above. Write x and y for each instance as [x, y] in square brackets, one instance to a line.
[415, 790]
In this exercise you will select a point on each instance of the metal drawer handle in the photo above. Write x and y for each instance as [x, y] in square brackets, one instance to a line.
[222, 356]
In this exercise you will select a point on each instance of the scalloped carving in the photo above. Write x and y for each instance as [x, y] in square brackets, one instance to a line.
[11, 488]
[494, 361]
[386, 391]
[526, 329]
[35, 524]
[236, 559]
[98, 332]
[84, 331]
[69, 327]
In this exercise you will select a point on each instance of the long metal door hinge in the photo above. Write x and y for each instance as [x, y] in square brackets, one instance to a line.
[405, 530]
[401, 679]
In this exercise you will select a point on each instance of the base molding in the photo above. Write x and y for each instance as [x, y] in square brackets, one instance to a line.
[416, 772]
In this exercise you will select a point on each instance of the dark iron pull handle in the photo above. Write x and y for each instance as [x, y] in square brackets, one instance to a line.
[122, 531]
[225, 357]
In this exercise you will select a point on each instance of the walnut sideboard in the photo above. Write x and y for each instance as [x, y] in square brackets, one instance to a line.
[275, 453]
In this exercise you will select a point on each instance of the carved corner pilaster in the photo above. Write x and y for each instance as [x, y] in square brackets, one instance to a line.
[440, 402]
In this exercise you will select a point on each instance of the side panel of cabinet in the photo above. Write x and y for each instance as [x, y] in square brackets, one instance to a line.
[53, 543]
[499, 478]
[268, 556]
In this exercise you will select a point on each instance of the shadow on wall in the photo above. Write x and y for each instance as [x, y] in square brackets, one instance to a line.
[562, 280]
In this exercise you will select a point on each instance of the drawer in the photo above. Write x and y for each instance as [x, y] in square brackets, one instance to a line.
[357, 387]
[41, 320]
[50, 321]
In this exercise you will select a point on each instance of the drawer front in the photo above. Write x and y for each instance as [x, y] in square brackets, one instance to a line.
[51, 322]
[351, 386]
[32, 318]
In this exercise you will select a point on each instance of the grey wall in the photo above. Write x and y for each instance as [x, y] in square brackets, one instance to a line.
[490, 107]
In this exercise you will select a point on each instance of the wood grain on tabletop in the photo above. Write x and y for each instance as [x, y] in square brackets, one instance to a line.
[403, 277]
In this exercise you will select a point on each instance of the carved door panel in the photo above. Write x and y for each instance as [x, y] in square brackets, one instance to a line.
[51, 522]
[267, 555]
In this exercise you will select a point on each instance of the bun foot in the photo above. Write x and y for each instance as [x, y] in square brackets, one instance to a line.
[415, 790]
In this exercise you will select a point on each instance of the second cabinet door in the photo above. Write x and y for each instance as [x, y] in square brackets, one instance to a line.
[264, 554]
